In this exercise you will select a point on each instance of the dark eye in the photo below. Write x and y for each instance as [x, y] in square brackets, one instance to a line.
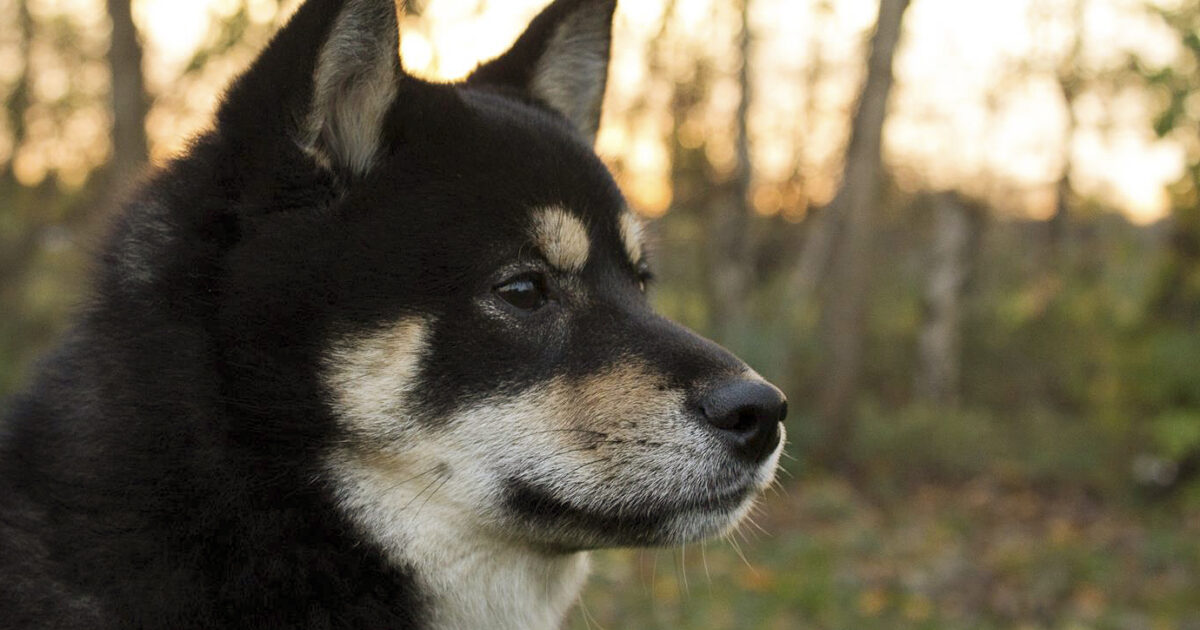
[526, 291]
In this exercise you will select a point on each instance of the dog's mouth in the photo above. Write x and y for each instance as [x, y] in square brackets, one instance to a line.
[631, 521]
[693, 487]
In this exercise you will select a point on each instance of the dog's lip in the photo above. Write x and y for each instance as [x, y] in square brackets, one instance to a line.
[721, 500]
[716, 501]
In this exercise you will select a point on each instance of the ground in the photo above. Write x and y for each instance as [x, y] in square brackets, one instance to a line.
[987, 553]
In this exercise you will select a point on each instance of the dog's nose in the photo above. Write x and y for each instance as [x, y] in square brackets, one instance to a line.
[747, 413]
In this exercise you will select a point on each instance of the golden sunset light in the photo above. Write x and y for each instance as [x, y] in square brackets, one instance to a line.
[965, 116]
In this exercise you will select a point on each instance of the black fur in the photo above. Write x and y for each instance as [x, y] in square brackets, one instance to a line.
[163, 469]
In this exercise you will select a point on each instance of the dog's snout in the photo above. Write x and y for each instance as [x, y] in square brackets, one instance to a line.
[747, 413]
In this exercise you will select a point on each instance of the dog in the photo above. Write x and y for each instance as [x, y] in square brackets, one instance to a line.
[375, 352]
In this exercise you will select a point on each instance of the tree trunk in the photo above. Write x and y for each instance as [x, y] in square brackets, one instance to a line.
[16, 251]
[1068, 78]
[129, 102]
[939, 345]
[844, 316]
[731, 275]
[820, 228]
[18, 100]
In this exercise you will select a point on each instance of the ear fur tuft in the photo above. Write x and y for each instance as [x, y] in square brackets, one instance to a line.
[561, 60]
[354, 83]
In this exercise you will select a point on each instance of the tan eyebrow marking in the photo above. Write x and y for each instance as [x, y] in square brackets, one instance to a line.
[562, 238]
[632, 232]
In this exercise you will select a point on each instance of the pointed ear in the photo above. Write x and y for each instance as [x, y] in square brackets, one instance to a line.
[324, 84]
[561, 60]
[354, 83]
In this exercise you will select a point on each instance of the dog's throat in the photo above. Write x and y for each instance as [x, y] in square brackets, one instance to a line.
[495, 587]
[468, 578]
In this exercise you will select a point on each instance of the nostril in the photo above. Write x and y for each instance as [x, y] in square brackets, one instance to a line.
[747, 420]
[728, 418]
[739, 420]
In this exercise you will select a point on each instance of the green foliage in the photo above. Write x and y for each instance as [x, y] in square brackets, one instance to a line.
[923, 442]
[1167, 380]
[1177, 432]
[42, 272]
[1169, 375]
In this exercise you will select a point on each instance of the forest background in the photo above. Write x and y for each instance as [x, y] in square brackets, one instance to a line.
[964, 237]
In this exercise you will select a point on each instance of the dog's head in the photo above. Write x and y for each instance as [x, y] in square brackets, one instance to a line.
[471, 293]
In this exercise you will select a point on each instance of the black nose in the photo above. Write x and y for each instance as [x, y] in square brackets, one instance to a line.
[747, 414]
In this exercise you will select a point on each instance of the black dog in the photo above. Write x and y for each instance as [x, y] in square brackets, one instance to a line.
[375, 353]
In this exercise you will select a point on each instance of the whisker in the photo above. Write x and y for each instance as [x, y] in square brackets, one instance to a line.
[434, 468]
[740, 532]
[588, 619]
[565, 430]
[738, 550]
[647, 586]
[586, 447]
[589, 463]
[654, 571]
[753, 523]
[444, 480]
[682, 568]
[418, 495]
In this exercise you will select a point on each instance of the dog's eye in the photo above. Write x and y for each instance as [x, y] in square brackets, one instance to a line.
[526, 291]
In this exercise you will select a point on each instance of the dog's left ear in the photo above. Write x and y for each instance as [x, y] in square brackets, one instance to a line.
[561, 61]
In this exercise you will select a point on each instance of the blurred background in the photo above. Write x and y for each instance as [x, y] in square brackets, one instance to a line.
[963, 235]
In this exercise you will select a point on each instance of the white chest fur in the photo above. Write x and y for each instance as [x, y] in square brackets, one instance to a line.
[476, 585]
[472, 580]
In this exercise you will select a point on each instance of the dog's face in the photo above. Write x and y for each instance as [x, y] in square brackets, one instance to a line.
[485, 348]
[524, 366]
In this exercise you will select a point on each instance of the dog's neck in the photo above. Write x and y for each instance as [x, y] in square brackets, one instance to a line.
[470, 580]
[479, 584]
